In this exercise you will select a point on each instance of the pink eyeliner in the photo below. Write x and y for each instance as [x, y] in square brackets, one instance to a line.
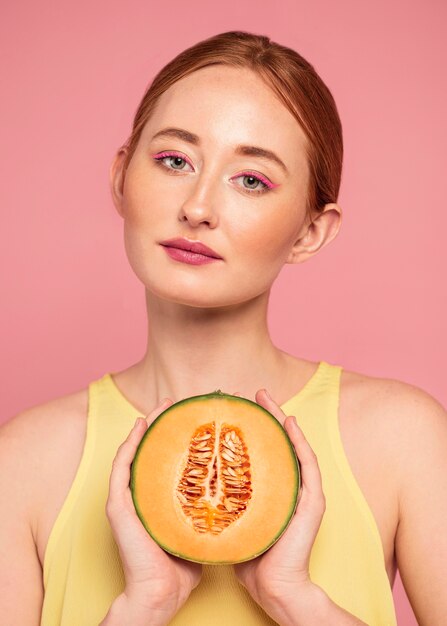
[170, 153]
[260, 177]
[160, 155]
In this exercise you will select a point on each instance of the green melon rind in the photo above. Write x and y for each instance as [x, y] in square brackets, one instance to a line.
[297, 465]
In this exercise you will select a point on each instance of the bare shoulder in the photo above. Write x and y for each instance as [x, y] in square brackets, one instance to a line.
[41, 447]
[398, 416]
[407, 427]
[40, 427]
[390, 400]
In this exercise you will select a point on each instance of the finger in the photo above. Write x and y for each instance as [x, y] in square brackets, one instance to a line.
[150, 417]
[268, 403]
[300, 535]
[120, 475]
[310, 472]
[312, 486]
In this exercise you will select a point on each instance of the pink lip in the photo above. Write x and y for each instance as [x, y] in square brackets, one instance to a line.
[191, 246]
[186, 256]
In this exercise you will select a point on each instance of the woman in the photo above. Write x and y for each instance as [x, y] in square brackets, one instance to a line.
[237, 144]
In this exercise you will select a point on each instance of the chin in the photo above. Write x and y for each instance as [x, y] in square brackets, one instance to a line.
[195, 296]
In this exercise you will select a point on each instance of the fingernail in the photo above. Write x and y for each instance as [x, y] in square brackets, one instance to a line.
[295, 425]
[136, 423]
[267, 394]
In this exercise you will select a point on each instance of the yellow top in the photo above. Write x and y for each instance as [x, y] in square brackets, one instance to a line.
[82, 568]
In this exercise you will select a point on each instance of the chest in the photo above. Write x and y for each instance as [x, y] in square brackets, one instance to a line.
[363, 456]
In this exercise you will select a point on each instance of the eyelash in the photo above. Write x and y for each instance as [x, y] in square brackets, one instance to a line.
[159, 158]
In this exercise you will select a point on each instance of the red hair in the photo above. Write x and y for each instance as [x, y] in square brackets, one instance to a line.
[290, 76]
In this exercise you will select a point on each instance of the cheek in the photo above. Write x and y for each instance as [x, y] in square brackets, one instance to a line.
[144, 190]
[137, 198]
[140, 221]
[268, 241]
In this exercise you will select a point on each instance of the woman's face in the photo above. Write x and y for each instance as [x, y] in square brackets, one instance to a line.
[248, 208]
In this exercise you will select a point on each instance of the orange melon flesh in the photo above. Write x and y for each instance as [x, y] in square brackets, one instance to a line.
[160, 461]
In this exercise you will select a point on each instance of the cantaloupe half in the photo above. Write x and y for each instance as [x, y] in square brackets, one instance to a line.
[215, 479]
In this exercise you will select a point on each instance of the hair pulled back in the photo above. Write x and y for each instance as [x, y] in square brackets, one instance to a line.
[290, 76]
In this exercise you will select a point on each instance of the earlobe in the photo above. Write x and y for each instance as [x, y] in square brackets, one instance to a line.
[117, 174]
[321, 231]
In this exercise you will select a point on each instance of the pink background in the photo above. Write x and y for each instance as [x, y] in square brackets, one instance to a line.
[373, 301]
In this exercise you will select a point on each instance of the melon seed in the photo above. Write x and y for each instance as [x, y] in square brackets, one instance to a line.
[203, 437]
[202, 445]
[227, 457]
[202, 455]
[230, 449]
[203, 515]
[228, 505]
[229, 470]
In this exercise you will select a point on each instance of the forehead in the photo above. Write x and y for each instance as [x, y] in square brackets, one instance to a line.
[226, 106]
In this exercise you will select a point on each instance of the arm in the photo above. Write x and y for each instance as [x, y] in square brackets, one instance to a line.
[21, 586]
[311, 606]
[26, 442]
[421, 539]
[279, 579]
[127, 612]
[415, 425]
[157, 584]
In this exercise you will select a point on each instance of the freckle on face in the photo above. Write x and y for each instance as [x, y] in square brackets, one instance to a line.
[253, 232]
[225, 107]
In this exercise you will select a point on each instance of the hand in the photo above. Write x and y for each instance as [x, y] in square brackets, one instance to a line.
[282, 573]
[155, 579]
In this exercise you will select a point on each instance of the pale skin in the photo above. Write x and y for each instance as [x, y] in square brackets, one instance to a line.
[200, 317]
[254, 233]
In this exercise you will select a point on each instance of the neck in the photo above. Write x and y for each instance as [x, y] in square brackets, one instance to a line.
[192, 351]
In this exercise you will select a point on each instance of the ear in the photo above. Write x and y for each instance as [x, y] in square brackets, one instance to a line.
[317, 234]
[117, 175]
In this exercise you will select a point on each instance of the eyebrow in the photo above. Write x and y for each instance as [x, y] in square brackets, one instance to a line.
[240, 149]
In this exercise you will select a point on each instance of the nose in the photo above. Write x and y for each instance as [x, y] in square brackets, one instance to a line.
[199, 206]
